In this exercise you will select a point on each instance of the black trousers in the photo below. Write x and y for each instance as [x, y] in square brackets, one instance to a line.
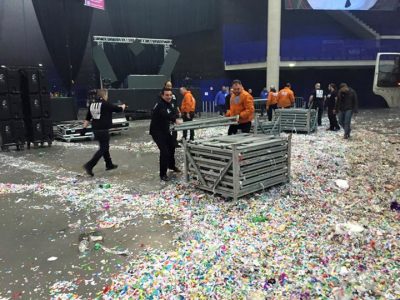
[319, 106]
[221, 109]
[188, 119]
[165, 142]
[271, 108]
[333, 122]
[244, 127]
[175, 137]
[103, 137]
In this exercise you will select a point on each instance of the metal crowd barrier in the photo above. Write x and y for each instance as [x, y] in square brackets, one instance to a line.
[237, 165]
[206, 123]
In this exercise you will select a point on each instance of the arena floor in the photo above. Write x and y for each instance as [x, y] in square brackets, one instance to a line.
[161, 240]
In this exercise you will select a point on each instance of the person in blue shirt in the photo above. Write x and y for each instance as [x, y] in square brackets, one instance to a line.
[220, 100]
[264, 94]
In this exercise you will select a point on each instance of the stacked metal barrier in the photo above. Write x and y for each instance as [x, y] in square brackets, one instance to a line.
[238, 165]
[261, 125]
[297, 119]
[206, 123]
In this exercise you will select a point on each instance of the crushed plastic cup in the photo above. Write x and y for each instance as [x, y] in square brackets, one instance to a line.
[83, 246]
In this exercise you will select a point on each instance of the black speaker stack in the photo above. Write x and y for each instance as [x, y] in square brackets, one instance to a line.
[12, 125]
[24, 108]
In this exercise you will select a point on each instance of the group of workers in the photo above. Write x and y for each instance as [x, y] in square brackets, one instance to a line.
[240, 105]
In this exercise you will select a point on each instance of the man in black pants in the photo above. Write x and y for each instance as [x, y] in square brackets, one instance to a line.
[317, 101]
[162, 115]
[331, 104]
[174, 103]
[100, 114]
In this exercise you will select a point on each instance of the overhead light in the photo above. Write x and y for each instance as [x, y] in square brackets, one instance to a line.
[292, 65]
[40, 65]
[3, 66]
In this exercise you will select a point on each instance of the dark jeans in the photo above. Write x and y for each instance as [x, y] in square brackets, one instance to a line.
[165, 142]
[244, 127]
[221, 109]
[271, 109]
[318, 104]
[333, 123]
[345, 121]
[175, 137]
[103, 137]
[187, 119]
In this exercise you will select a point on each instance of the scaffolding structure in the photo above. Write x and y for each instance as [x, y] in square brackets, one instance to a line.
[101, 40]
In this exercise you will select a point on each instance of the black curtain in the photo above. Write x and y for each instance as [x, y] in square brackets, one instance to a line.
[162, 18]
[65, 26]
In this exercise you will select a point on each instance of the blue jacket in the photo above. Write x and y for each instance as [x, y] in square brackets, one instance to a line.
[220, 98]
[264, 94]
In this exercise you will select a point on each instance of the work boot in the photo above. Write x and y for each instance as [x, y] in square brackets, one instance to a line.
[176, 169]
[111, 167]
[164, 178]
[88, 170]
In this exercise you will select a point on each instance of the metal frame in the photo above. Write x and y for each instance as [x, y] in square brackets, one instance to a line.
[206, 123]
[297, 120]
[71, 131]
[100, 40]
[234, 166]
[266, 127]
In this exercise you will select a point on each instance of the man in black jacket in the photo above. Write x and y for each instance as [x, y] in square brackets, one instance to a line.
[317, 101]
[100, 115]
[346, 105]
[162, 115]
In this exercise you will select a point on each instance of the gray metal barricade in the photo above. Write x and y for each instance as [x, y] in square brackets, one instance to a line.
[297, 119]
[237, 165]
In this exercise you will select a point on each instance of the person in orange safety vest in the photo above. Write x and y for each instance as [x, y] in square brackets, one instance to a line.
[188, 108]
[272, 102]
[286, 97]
[242, 106]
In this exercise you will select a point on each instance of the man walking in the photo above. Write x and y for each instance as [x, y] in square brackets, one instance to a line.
[346, 105]
[100, 114]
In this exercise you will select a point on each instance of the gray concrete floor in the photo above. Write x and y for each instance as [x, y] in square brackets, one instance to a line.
[34, 228]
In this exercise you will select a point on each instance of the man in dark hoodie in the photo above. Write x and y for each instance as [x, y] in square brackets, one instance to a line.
[346, 105]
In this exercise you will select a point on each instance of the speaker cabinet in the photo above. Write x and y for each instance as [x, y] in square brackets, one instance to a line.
[5, 109]
[46, 106]
[13, 79]
[12, 132]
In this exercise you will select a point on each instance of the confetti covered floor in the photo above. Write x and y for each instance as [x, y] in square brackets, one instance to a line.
[329, 234]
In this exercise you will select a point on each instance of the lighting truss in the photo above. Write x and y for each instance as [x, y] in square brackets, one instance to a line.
[100, 40]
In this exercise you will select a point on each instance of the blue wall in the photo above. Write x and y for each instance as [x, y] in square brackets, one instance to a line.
[308, 35]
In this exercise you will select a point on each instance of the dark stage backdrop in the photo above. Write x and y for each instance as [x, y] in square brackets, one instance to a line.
[162, 18]
[65, 26]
